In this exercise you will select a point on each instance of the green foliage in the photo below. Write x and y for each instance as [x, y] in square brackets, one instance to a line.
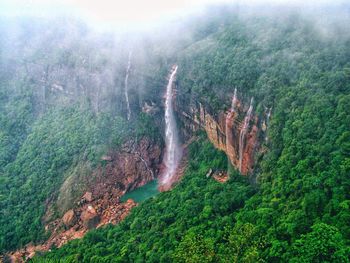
[304, 178]
[194, 248]
[302, 202]
[187, 224]
[16, 115]
[297, 212]
[323, 244]
[60, 140]
[243, 244]
[144, 125]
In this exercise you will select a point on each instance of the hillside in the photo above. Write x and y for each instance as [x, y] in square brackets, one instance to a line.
[262, 108]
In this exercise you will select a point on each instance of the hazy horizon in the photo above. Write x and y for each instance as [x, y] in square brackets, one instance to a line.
[134, 14]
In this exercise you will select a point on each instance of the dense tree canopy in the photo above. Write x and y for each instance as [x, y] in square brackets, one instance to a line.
[293, 208]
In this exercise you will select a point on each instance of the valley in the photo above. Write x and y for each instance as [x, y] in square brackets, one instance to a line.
[222, 136]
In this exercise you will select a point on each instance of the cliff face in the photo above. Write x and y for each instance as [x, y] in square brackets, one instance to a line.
[223, 130]
[132, 166]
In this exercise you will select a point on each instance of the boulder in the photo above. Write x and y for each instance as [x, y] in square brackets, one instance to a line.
[89, 217]
[87, 197]
[69, 218]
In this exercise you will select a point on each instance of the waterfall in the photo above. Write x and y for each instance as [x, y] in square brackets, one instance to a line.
[229, 122]
[243, 133]
[234, 101]
[126, 87]
[173, 151]
[268, 115]
[230, 117]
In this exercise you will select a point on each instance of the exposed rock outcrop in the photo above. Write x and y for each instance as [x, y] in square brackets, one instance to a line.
[221, 176]
[133, 165]
[90, 217]
[223, 130]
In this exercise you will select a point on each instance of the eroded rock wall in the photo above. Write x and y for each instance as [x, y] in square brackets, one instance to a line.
[223, 129]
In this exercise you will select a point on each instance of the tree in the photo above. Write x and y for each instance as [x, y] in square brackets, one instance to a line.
[323, 244]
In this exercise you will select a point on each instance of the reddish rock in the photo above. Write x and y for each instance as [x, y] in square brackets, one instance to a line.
[232, 132]
[215, 131]
[69, 218]
[87, 196]
[133, 166]
[250, 149]
[89, 217]
[223, 130]
[221, 176]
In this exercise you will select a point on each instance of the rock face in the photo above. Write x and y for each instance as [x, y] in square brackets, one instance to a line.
[223, 130]
[132, 166]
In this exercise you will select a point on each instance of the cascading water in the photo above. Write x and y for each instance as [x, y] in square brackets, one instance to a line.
[173, 150]
[126, 88]
[230, 117]
[267, 123]
[228, 124]
[234, 101]
[243, 133]
[268, 115]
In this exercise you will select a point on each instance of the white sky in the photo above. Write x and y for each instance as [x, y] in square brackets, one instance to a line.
[106, 10]
[123, 12]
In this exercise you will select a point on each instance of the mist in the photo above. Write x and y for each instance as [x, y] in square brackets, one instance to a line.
[99, 98]
[139, 15]
[40, 39]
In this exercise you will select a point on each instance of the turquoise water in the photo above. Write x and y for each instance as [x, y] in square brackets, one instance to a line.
[142, 193]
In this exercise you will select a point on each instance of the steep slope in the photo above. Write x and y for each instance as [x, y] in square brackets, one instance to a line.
[303, 76]
[195, 208]
[299, 208]
[90, 197]
[228, 131]
[291, 142]
[61, 159]
[61, 111]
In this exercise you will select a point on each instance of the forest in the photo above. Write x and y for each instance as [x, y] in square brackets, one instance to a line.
[62, 107]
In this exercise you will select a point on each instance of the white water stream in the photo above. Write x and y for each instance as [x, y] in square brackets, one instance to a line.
[243, 133]
[126, 87]
[173, 150]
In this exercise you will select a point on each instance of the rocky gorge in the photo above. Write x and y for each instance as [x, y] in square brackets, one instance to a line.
[136, 163]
